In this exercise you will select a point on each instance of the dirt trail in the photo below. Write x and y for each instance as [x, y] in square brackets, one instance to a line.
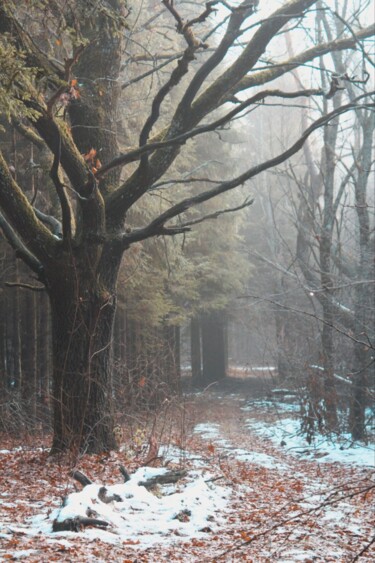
[288, 509]
[281, 509]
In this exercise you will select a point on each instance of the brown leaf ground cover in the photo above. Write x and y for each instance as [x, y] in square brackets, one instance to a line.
[287, 509]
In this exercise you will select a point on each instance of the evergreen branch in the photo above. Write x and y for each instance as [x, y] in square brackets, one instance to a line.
[35, 56]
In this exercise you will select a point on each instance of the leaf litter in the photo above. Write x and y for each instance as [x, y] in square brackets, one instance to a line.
[245, 497]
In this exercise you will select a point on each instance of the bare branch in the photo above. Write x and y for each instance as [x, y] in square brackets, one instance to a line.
[64, 201]
[186, 204]
[355, 37]
[54, 223]
[216, 214]
[21, 217]
[19, 247]
[26, 286]
[81, 478]
[264, 76]
[28, 133]
[182, 68]
[151, 71]
[133, 155]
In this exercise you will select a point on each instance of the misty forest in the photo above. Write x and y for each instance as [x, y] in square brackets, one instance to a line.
[187, 280]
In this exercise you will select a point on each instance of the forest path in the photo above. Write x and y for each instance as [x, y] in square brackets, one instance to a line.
[280, 507]
[288, 509]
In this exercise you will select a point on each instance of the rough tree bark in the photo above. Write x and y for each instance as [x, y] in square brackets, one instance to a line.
[83, 308]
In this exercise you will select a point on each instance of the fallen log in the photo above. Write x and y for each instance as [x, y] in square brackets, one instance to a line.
[164, 479]
[81, 478]
[77, 524]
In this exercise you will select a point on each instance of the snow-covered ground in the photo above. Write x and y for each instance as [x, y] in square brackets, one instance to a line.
[288, 432]
[313, 496]
[169, 514]
[239, 485]
[212, 432]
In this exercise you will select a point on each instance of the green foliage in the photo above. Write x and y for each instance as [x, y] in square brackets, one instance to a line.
[221, 266]
[16, 81]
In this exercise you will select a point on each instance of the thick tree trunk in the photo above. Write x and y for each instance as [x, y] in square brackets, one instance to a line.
[82, 323]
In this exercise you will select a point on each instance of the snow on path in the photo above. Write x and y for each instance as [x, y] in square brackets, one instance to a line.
[287, 508]
[288, 431]
[213, 432]
[314, 490]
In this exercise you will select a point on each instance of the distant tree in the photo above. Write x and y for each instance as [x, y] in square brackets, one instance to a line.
[61, 80]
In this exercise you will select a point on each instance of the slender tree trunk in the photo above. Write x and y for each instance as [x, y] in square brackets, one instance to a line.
[195, 350]
[29, 351]
[213, 347]
[44, 364]
[17, 339]
[326, 278]
[284, 354]
[171, 345]
[364, 293]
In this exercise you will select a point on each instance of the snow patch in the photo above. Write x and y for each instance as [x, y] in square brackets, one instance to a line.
[207, 431]
[212, 431]
[277, 406]
[322, 449]
[141, 516]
